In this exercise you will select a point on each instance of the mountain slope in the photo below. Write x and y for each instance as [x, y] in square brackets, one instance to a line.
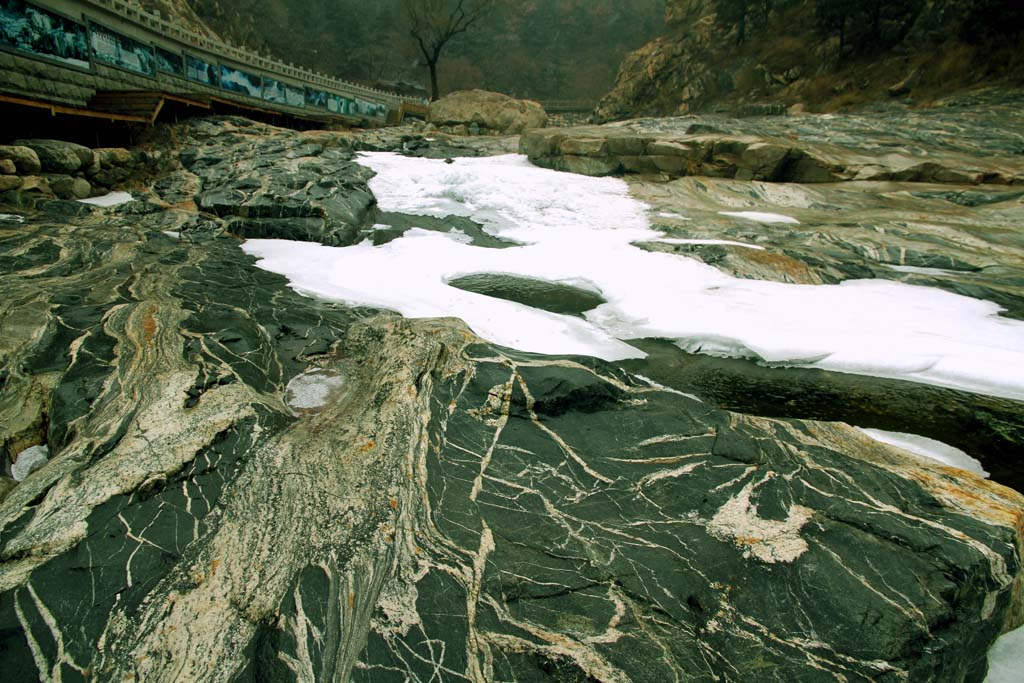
[823, 54]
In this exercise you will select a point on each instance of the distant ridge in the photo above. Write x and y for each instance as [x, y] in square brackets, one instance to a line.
[822, 55]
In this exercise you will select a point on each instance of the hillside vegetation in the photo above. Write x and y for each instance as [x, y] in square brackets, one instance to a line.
[542, 49]
[821, 54]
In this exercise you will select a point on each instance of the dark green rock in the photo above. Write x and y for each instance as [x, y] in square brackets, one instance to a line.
[454, 510]
[554, 297]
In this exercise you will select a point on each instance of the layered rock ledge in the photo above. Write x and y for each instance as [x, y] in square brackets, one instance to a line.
[447, 508]
[795, 149]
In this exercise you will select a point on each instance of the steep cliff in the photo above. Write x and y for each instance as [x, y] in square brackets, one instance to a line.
[765, 55]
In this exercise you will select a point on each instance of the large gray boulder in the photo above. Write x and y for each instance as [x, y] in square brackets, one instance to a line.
[26, 161]
[491, 112]
[69, 187]
[57, 156]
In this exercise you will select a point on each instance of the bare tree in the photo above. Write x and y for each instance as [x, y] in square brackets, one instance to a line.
[433, 24]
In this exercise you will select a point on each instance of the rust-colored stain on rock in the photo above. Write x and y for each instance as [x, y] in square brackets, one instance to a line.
[149, 325]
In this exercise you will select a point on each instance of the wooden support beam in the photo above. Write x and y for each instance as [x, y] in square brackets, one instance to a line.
[55, 109]
[156, 112]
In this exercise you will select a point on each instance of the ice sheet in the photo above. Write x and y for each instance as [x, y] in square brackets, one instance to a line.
[581, 229]
[928, 448]
[112, 199]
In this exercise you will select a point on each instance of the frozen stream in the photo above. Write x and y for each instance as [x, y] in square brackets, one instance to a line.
[581, 231]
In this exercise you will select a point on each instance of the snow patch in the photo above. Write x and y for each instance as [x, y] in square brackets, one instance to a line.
[312, 389]
[928, 448]
[577, 228]
[28, 461]
[1006, 658]
[107, 200]
[761, 217]
[459, 236]
[917, 270]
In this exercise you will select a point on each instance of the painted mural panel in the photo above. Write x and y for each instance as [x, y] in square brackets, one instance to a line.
[240, 82]
[336, 104]
[36, 31]
[317, 99]
[170, 62]
[121, 51]
[283, 93]
[274, 91]
[371, 109]
[201, 71]
[295, 96]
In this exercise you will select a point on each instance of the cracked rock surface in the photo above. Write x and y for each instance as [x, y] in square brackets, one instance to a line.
[441, 508]
[968, 141]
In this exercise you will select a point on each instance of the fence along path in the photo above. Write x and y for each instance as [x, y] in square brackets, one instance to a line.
[73, 54]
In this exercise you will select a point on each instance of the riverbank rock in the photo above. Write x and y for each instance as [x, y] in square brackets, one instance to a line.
[57, 156]
[440, 503]
[799, 149]
[113, 166]
[26, 161]
[68, 187]
[488, 112]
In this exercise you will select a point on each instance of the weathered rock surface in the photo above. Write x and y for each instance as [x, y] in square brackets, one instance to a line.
[451, 509]
[490, 112]
[68, 187]
[56, 156]
[26, 161]
[787, 58]
[802, 149]
[114, 166]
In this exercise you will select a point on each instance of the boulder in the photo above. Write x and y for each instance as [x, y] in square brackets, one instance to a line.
[57, 156]
[8, 167]
[762, 161]
[491, 112]
[67, 187]
[25, 160]
[113, 165]
[9, 182]
[36, 185]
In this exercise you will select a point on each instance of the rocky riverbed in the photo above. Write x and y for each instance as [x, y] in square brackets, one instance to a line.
[245, 483]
